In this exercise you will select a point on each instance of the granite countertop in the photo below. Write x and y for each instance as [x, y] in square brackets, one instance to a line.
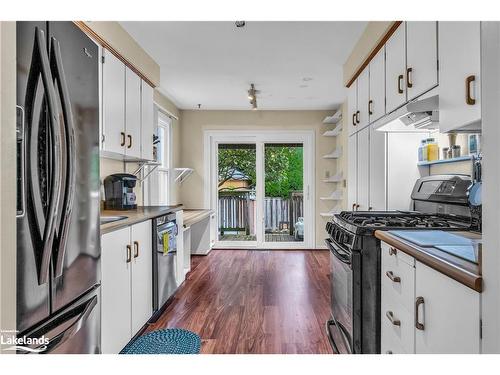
[192, 216]
[465, 272]
[138, 215]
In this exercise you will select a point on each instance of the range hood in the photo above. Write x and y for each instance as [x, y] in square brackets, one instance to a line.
[419, 115]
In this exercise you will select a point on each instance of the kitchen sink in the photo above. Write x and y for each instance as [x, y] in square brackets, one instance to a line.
[110, 219]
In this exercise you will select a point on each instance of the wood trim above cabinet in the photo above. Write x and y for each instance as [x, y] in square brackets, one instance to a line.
[87, 30]
[372, 54]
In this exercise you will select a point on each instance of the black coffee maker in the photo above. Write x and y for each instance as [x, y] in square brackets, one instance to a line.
[119, 193]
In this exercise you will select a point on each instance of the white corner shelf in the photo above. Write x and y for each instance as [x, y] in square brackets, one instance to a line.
[336, 178]
[335, 196]
[183, 174]
[336, 117]
[337, 153]
[334, 132]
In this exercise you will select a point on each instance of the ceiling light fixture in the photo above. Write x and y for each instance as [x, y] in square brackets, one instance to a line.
[252, 96]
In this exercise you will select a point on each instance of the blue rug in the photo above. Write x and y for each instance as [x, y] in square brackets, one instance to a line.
[165, 341]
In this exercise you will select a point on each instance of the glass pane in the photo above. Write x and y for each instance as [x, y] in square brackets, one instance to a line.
[236, 190]
[284, 198]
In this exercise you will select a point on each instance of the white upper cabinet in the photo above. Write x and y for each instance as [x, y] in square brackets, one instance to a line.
[113, 98]
[459, 75]
[133, 114]
[363, 169]
[377, 170]
[352, 107]
[447, 314]
[362, 118]
[395, 69]
[147, 116]
[421, 64]
[376, 105]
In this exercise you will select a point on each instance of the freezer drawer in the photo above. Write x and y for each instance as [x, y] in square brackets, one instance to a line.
[74, 330]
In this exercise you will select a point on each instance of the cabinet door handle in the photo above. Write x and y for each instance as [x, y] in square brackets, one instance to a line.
[357, 117]
[400, 84]
[129, 141]
[136, 249]
[393, 251]
[395, 279]
[409, 83]
[370, 208]
[392, 319]
[357, 206]
[129, 253]
[419, 301]
[122, 143]
[370, 105]
[354, 119]
[468, 98]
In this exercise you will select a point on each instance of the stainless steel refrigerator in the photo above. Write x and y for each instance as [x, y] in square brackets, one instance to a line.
[58, 245]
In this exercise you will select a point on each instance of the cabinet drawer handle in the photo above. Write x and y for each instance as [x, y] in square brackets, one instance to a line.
[122, 143]
[370, 107]
[392, 319]
[136, 249]
[419, 301]
[400, 84]
[395, 279]
[357, 117]
[354, 119]
[393, 251]
[409, 83]
[468, 98]
[129, 141]
[129, 253]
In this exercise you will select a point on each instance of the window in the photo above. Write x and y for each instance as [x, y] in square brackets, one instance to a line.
[164, 148]
[159, 182]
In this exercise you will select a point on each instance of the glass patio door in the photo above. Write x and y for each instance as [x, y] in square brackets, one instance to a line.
[283, 198]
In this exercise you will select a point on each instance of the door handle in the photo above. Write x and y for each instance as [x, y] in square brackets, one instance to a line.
[468, 98]
[409, 83]
[370, 105]
[129, 141]
[21, 139]
[395, 279]
[400, 84]
[122, 143]
[357, 206]
[40, 66]
[354, 119]
[129, 253]
[136, 249]
[393, 251]
[357, 117]
[69, 186]
[353, 206]
[419, 301]
[392, 319]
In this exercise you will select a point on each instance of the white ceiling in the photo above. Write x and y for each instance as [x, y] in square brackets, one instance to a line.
[295, 65]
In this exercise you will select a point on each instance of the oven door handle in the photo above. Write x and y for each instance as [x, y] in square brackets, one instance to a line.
[344, 258]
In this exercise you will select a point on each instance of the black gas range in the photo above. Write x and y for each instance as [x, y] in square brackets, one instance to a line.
[439, 202]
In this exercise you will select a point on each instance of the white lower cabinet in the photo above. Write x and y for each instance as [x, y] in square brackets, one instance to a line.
[424, 311]
[126, 284]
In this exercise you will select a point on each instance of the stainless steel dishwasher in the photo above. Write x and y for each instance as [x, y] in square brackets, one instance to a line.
[165, 278]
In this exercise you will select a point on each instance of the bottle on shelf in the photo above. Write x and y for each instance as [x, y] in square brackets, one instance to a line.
[422, 151]
[432, 149]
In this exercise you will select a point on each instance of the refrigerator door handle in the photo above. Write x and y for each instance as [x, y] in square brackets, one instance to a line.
[69, 185]
[86, 309]
[40, 67]
[21, 138]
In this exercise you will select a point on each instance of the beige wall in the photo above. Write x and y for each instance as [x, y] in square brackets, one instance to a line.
[7, 174]
[194, 123]
[373, 34]
[116, 36]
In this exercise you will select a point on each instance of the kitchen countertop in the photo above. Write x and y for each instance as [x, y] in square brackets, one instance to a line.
[138, 215]
[466, 273]
[192, 216]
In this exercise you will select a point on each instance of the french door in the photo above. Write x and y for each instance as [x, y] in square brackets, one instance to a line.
[260, 186]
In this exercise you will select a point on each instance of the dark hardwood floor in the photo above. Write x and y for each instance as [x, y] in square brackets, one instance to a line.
[254, 301]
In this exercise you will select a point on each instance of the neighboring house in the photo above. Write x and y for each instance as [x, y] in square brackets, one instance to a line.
[238, 181]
